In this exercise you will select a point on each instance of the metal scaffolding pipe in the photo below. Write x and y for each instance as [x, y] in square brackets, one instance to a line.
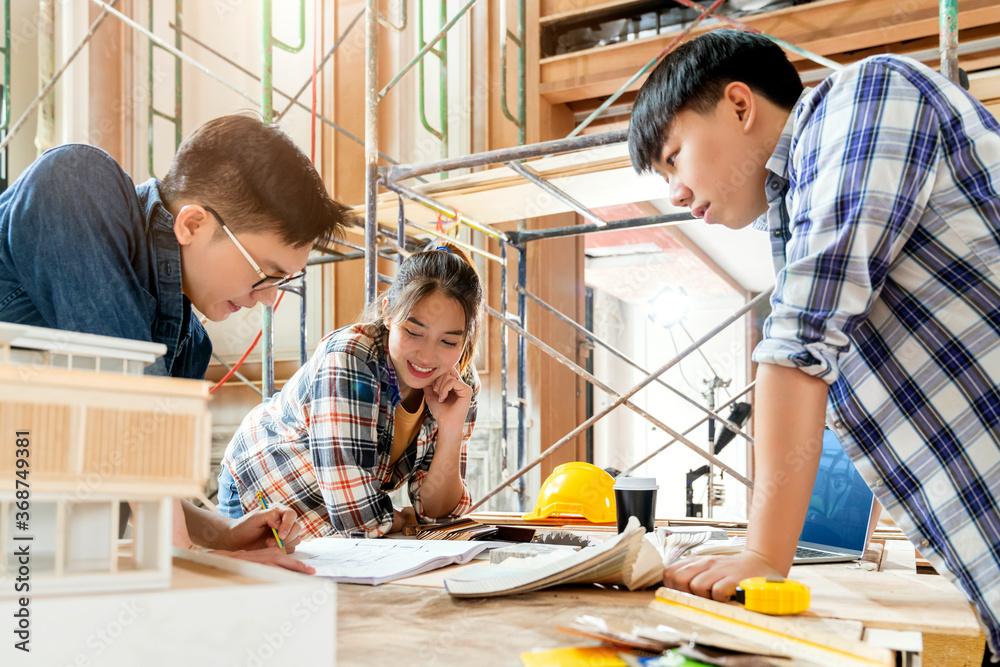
[589, 377]
[401, 223]
[519, 39]
[293, 101]
[531, 175]
[461, 244]
[522, 372]
[809, 55]
[624, 397]
[504, 336]
[427, 47]
[6, 51]
[590, 335]
[173, 51]
[645, 68]
[632, 468]
[329, 54]
[267, 112]
[239, 376]
[371, 149]
[444, 209]
[387, 22]
[949, 39]
[45, 129]
[51, 82]
[402, 172]
[576, 230]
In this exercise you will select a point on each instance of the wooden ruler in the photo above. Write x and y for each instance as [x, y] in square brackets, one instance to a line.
[777, 635]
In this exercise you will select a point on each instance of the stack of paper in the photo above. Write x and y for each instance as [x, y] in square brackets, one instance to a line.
[378, 561]
[627, 559]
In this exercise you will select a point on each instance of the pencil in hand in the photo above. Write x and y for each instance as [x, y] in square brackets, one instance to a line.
[281, 545]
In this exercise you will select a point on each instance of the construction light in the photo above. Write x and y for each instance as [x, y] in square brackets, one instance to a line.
[669, 307]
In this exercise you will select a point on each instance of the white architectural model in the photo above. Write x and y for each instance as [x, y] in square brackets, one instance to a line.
[83, 432]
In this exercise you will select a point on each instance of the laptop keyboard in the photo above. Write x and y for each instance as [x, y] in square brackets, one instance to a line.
[803, 552]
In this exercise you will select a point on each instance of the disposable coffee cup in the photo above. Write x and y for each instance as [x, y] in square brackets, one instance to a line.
[636, 496]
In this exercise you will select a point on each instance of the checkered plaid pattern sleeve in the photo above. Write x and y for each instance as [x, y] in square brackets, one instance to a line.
[860, 173]
[343, 413]
[418, 476]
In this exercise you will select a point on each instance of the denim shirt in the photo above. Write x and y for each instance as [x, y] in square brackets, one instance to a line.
[82, 248]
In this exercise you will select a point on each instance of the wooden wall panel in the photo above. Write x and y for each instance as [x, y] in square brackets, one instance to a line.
[110, 111]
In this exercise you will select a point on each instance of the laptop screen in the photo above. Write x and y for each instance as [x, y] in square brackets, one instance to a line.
[841, 503]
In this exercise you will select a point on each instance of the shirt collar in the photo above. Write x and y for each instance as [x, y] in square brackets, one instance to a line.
[387, 371]
[777, 180]
[777, 164]
[154, 211]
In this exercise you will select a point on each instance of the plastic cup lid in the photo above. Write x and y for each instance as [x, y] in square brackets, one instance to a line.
[637, 483]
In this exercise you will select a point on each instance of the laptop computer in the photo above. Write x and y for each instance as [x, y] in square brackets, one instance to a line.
[842, 513]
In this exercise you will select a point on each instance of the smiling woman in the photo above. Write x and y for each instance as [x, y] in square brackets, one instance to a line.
[387, 401]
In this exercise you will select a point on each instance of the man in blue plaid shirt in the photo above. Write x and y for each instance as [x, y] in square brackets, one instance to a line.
[879, 190]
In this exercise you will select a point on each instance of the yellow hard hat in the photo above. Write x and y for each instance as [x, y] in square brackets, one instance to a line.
[579, 489]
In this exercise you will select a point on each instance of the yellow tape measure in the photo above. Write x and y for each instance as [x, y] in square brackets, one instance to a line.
[773, 595]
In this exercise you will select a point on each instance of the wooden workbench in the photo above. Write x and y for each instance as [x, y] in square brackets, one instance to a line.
[415, 622]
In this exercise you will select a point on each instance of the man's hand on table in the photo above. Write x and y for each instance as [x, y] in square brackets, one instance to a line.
[716, 577]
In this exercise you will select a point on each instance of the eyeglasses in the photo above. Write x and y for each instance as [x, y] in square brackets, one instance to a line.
[266, 281]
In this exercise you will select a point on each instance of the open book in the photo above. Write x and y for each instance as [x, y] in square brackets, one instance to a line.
[378, 561]
[627, 559]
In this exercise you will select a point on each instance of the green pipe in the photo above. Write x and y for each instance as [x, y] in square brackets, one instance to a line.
[149, 84]
[442, 55]
[522, 111]
[427, 47]
[421, 81]
[176, 119]
[443, 88]
[178, 82]
[518, 39]
[302, 30]
[5, 121]
[949, 39]
[267, 73]
[387, 22]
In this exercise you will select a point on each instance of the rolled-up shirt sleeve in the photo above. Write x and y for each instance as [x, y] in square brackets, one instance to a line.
[860, 172]
[418, 476]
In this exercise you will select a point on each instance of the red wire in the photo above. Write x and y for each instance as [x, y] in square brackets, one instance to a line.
[236, 367]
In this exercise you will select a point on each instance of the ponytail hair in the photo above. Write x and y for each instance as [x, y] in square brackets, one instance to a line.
[446, 269]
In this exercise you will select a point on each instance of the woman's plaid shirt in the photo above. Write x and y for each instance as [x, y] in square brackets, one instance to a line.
[321, 446]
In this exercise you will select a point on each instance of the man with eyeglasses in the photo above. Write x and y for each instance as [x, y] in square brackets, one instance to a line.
[82, 248]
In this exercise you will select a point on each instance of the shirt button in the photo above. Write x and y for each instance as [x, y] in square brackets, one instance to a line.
[776, 232]
[924, 543]
[838, 424]
[877, 481]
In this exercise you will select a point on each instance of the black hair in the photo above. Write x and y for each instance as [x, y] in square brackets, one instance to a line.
[448, 271]
[257, 178]
[694, 77]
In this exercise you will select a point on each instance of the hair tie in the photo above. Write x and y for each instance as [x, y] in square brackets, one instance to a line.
[444, 248]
